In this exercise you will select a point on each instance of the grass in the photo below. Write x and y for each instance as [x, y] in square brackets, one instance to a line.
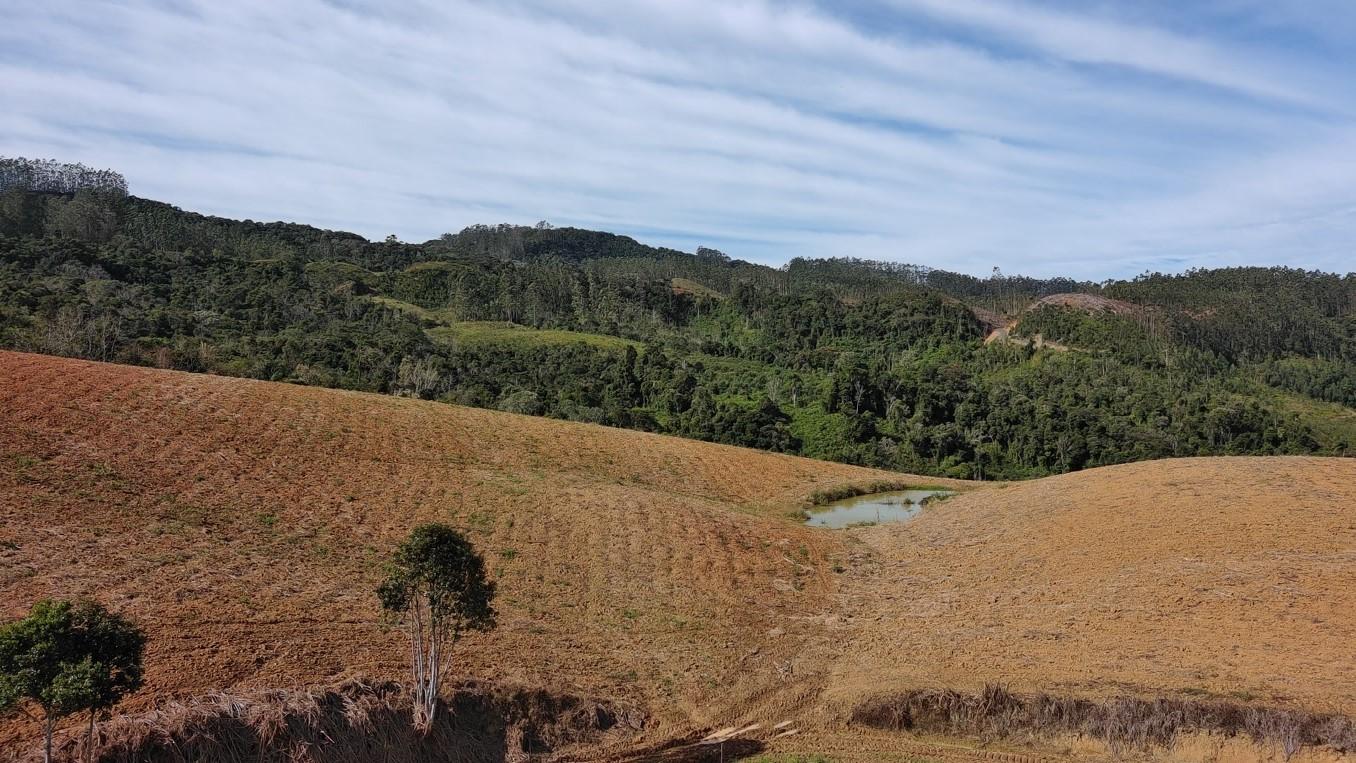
[448, 330]
[341, 269]
[408, 308]
[695, 288]
[471, 333]
[445, 266]
[851, 490]
[1123, 723]
[1333, 423]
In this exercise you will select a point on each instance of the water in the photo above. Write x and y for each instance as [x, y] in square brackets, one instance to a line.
[873, 509]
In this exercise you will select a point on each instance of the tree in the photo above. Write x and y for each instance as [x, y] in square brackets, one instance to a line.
[418, 377]
[66, 657]
[436, 589]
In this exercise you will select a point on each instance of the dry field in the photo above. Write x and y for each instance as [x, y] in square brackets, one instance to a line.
[244, 523]
[1208, 577]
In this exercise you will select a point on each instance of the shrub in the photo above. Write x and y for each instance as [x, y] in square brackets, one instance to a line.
[68, 657]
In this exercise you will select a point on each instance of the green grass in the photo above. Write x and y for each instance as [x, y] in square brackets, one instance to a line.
[693, 287]
[405, 307]
[441, 317]
[439, 265]
[470, 333]
[1333, 424]
[341, 269]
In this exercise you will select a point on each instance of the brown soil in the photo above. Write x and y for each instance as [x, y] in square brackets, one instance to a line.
[244, 523]
[1000, 329]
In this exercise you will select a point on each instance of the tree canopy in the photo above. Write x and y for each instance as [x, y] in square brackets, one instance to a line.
[437, 590]
[67, 657]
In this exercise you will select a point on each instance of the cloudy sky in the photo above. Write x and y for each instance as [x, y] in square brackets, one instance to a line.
[1047, 137]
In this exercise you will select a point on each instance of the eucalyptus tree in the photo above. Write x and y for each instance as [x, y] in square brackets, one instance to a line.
[436, 590]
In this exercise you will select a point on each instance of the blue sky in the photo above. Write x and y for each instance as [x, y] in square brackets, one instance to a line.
[1090, 139]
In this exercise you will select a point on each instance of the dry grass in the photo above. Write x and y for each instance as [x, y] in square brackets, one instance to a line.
[1225, 577]
[1123, 723]
[352, 721]
[243, 524]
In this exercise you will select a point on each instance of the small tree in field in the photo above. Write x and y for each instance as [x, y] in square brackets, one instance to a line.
[436, 589]
[69, 657]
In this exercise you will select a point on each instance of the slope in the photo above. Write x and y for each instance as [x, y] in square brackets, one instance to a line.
[1205, 577]
[244, 524]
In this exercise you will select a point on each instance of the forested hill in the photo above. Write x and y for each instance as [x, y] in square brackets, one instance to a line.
[897, 366]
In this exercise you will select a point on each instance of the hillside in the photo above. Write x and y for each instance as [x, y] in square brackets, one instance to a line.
[882, 365]
[243, 524]
[1206, 577]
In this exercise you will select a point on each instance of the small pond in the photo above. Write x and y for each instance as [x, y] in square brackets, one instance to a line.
[873, 509]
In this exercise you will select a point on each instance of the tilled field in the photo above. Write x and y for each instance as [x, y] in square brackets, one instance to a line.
[1211, 578]
[244, 525]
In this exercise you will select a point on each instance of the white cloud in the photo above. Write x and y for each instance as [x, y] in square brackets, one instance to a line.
[769, 129]
[1093, 40]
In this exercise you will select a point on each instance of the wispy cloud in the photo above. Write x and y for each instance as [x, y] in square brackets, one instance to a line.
[962, 134]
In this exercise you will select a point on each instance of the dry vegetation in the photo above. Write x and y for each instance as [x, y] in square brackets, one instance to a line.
[1091, 303]
[1226, 578]
[243, 524]
[354, 721]
[1125, 724]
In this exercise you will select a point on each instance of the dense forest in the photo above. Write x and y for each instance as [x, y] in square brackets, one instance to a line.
[897, 366]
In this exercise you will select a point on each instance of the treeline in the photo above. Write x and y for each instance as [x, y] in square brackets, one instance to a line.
[998, 292]
[1246, 315]
[1216, 320]
[847, 361]
[48, 176]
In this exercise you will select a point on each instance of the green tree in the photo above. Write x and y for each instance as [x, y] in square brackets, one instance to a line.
[66, 657]
[436, 589]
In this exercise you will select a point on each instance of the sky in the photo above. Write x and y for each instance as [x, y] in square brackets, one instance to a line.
[1052, 138]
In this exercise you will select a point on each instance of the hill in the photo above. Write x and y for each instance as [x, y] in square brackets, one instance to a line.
[243, 524]
[876, 364]
[1191, 577]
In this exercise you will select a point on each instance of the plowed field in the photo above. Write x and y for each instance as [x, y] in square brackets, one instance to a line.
[244, 524]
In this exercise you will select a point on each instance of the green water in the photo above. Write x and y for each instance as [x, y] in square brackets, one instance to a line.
[873, 509]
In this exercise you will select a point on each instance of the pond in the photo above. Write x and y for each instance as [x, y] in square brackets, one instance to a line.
[873, 509]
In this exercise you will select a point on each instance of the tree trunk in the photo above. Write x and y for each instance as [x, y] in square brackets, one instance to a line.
[89, 738]
[47, 724]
